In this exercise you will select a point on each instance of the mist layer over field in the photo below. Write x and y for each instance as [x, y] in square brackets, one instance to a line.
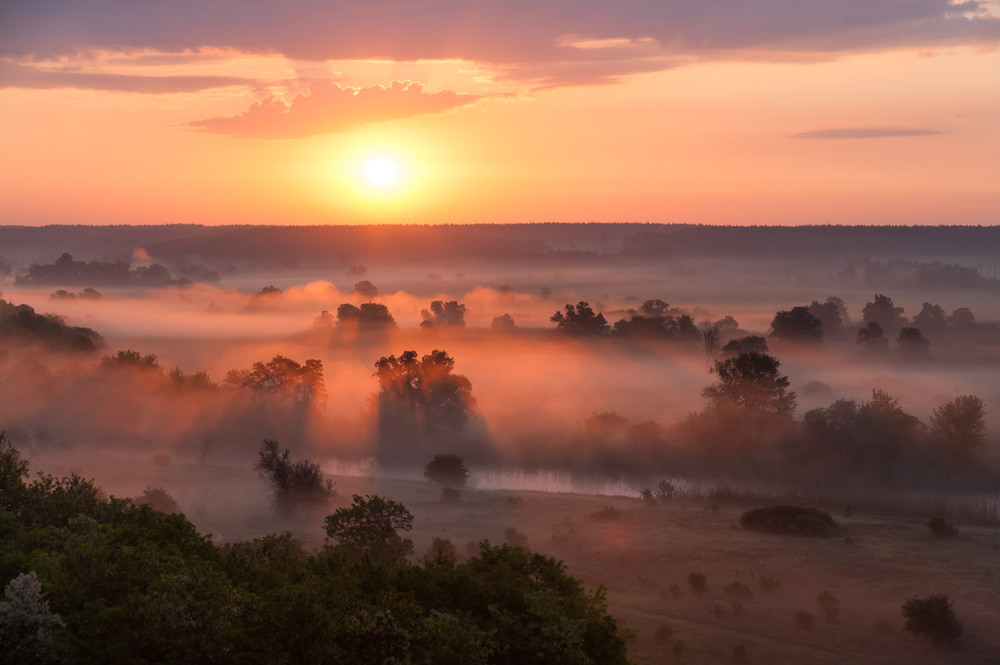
[600, 406]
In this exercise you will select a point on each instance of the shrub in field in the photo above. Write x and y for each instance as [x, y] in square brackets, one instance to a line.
[665, 490]
[608, 513]
[933, 617]
[698, 583]
[447, 470]
[942, 528]
[292, 482]
[790, 520]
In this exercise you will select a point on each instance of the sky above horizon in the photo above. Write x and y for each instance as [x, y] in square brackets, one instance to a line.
[448, 111]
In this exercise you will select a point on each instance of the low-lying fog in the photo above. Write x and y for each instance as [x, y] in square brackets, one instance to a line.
[537, 394]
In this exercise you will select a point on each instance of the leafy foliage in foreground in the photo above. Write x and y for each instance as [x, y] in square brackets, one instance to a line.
[789, 520]
[116, 582]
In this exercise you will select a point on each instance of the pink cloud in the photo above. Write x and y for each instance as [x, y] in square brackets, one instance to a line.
[329, 108]
[523, 39]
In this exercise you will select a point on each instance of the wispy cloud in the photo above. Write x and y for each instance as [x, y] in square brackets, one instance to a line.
[13, 75]
[329, 108]
[864, 133]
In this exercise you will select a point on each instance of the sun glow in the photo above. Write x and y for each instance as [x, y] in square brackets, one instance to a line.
[381, 172]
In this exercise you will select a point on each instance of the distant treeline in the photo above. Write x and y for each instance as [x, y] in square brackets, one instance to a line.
[498, 241]
[103, 273]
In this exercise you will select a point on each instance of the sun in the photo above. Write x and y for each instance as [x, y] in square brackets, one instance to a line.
[381, 172]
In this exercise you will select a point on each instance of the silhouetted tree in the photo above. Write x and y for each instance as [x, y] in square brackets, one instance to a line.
[748, 344]
[796, 325]
[447, 470]
[292, 482]
[370, 316]
[750, 382]
[912, 343]
[420, 403]
[503, 322]
[871, 340]
[426, 389]
[581, 321]
[370, 526]
[931, 318]
[654, 307]
[21, 323]
[450, 313]
[365, 289]
[710, 336]
[282, 382]
[131, 359]
[962, 320]
[325, 321]
[885, 313]
[727, 326]
[832, 313]
[960, 425]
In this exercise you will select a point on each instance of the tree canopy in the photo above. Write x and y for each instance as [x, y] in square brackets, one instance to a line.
[581, 321]
[750, 383]
[94, 580]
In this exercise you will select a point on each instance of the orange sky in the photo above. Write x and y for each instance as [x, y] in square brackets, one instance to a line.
[244, 111]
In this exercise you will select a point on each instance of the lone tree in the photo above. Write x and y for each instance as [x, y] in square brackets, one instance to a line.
[292, 483]
[750, 383]
[933, 617]
[447, 471]
[960, 425]
[370, 526]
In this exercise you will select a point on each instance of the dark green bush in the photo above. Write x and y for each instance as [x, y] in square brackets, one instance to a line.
[790, 520]
[942, 528]
[698, 583]
[933, 617]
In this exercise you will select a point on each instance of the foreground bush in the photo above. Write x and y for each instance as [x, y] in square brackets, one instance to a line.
[790, 520]
[933, 617]
[117, 583]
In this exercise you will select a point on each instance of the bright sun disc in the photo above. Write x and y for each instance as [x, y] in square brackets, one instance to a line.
[381, 172]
